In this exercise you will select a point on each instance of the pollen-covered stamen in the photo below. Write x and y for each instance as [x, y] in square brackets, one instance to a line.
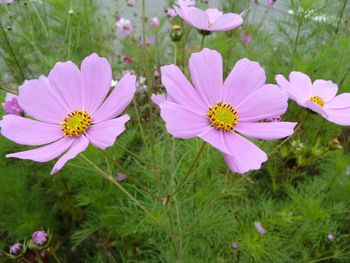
[223, 116]
[76, 123]
[318, 100]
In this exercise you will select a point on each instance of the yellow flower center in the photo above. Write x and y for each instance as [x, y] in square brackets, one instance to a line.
[76, 123]
[176, 27]
[223, 116]
[318, 100]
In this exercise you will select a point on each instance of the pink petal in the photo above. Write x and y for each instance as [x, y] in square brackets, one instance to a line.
[264, 103]
[339, 116]
[227, 22]
[45, 153]
[65, 80]
[339, 102]
[316, 108]
[29, 132]
[79, 145]
[245, 155]
[198, 18]
[179, 90]
[158, 99]
[216, 138]
[182, 122]
[325, 89]
[266, 130]
[96, 80]
[118, 100]
[104, 134]
[245, 78]
[213, 14]
[182, 12]
[38, 100]
[206, 73]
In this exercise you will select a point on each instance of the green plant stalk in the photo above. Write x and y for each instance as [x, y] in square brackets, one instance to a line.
[296, 41]
[44, 26]
[342, 10]
[202, 42]
[139, 123]
[143, 14]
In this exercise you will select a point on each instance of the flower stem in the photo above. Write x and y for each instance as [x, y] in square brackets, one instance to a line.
[143, 22]
[199, 153]
[55, 256]
[9, 91]
[202, 42]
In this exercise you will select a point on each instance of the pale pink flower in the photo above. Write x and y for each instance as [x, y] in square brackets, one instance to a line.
[330, 237]
[11, 105]
[149, 41]
[247, 38]
[40, 237]
[124, 26]
[271, 2]
[170, 12]
[260, 228]
[6, 1]
[218, 112]
[319, 96]
[187, 2]
[154, 22]
[210, 20]
[15, 249]
[121, 177]
[71, 111]
[158, 98]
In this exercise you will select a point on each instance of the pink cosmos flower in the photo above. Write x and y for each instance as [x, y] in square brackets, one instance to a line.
[124, 26]
[210, 20]
[157, 99]
[71, 111]
[187, 2]
[6, 1]
[219, 112]
[170, 12]
[319, 96]
[247, 38]
[11, 105]
[154, 22]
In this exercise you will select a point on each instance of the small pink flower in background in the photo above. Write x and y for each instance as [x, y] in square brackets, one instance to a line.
[234, 246]
[149, 41]
[124, 26]
[6, 1]
[220, 111]
[170, 12]
[330, 237]
[71, 111]
[210, 20]
[127, 60]
[187, 2]
[121, 177]
[156, 73]
[131, 2]
[260, 228]
[11, 105]
[319, 96]
[247, 38]
[271, 2]
[40, 237]
[158, 98]
[154, 22]
[15, 249]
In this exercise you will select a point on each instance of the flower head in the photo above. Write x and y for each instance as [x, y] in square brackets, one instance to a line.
[210, 20]
[330, 237]
[121, 177]
[11, 105]
[71, 111]
[6, 1]
[247, 38]
[39, 237]
[234, 246]
[170, 12]
[220, 111]
[15, 249]
[271, 2]
[318, 96]
[124, 26]
[260, 228]
[127, 60]
[154, 22]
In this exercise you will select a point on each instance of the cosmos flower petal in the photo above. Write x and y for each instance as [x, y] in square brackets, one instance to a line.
[245, 155]
[65, 81]
[198, 18]
[213, 14]
[104, 134]
[245, 78]
[339, 102]
[182, 122]
[158, 99]
[79, 145]
[207, 75]
[96, 80]
[118, 100]
[339, 116]
[39, 101]
[179, 89]
[316, 108]
[266, 130]
[325, 89]
[182, 12]
[259, 106]
[45, 153]
[29, 132]
[227, 22]
[215, 138]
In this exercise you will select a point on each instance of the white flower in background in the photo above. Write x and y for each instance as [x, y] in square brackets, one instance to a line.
[114, 83]
[141, 86]
[124, 26]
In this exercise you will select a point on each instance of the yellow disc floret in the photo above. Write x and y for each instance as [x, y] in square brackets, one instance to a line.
[76, 123]
[318, 100]
[223, 116]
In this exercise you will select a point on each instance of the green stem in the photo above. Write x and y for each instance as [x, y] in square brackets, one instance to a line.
[342, 10]
[121, 188]
[9, 91]
[175, 53]
[55, 257]
[202, 42]
[143, 22]
[296, 41]
[199, 153]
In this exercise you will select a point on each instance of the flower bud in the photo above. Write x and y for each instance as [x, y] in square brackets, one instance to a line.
[176, 33]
